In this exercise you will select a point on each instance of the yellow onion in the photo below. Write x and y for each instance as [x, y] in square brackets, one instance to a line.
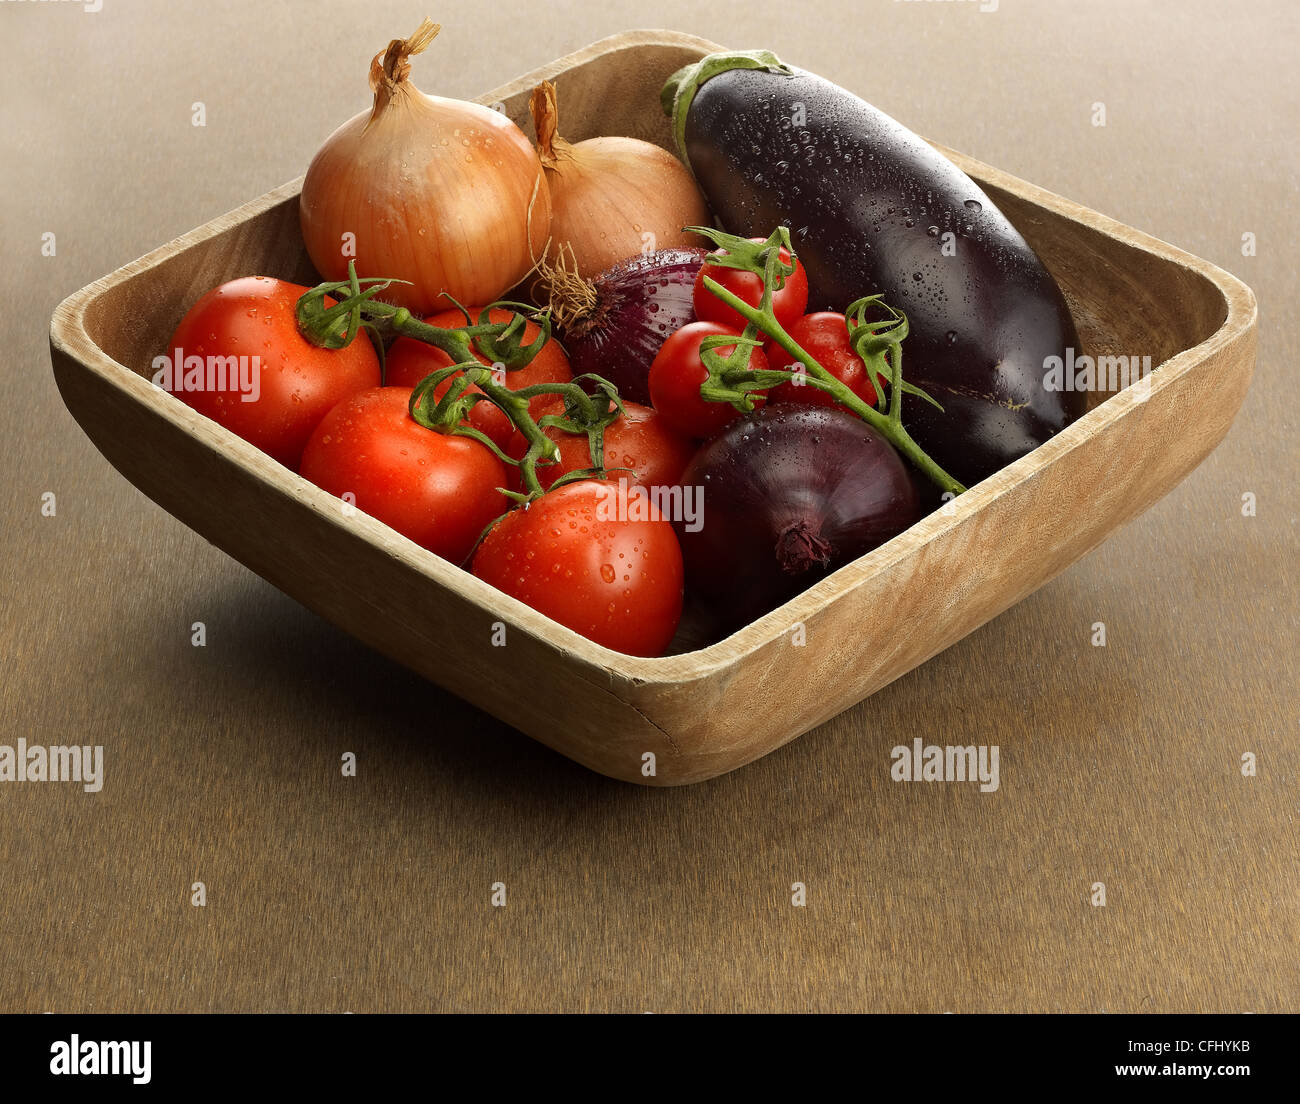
[446, 194]
[612, 198]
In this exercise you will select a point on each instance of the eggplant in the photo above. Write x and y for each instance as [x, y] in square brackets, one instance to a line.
[872, 208]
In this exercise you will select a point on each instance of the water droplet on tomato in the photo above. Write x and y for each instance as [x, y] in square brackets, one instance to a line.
[607, 573]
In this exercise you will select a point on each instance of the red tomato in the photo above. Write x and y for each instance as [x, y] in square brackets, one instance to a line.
[677, 373]
[788, 302]
[435, 488]
[825, 336]
[570, 557]
[409, 361]
[640, 439]
[295, 382]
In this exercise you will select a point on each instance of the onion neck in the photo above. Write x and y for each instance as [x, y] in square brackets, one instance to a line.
[390, 71]
[799, 546]
[552, 148]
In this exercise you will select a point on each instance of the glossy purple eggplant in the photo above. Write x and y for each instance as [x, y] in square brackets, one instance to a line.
[873, 208]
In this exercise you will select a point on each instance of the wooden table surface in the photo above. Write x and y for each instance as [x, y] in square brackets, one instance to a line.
[1120, 764]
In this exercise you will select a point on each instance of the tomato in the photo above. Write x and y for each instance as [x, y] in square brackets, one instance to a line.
[435, 488]
[294, 383]
[570, 557]
[788, 301]
[677, 373]
[825, 336]
[639, 439]
[409, 361]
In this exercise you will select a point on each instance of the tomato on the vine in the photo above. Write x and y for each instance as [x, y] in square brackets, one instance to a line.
[825, 337]
[639, 439]
[438, 489]
[612, 574]
[677, 373]
[289, 384]
[788, 301]
[409, 361]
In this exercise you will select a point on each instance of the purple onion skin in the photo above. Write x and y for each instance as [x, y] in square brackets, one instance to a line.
[791, 493]
[643, 300]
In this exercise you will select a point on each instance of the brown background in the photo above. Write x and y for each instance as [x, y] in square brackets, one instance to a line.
[1119, 764]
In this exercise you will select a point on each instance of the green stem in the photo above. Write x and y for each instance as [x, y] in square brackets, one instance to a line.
[335, 326]
[889, 425]
[582, 414]
[338, 324]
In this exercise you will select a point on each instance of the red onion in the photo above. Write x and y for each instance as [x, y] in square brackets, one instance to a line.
[613, 325]
[791, 493]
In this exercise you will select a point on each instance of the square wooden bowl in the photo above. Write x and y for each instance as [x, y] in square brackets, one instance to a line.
[696, 711]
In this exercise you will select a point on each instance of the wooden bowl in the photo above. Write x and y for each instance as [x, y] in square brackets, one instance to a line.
[709, 710]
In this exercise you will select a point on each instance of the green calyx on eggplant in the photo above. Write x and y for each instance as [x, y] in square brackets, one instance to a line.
[872, 208]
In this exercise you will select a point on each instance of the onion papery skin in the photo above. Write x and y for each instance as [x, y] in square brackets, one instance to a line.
[615, 197]
[790, 494]
[437, 192]
[640, 303]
